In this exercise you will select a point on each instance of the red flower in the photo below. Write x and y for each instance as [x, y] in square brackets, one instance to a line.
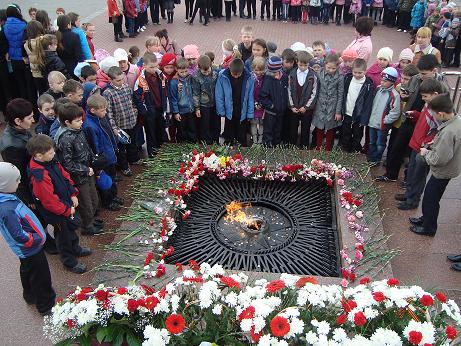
[329, 182]
[106, 304]
[348, 305]
[415, 337]
[178, 267]
[357, 202]
[81, 296]
[303, 281]
[379, 296]
[364, 280]
[194, 152]
[341, 319]
[149, 290]
[426, 300]
[175, 323]
[255, 336]
[59, 300]
[229, 282]
[275, 286]
[237, 156]
[360, 319]
[186, 215]
[151, 302]
[279, 326]
[451, 332]
[393, 282]
[149, 257]
[122, 290]
[161, 269]
[70, 323]
[194, 265]
[248, 312]
[101, 295]
[441, 297]
[132, 305]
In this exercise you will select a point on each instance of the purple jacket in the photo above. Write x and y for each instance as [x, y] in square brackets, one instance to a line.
[258, 84]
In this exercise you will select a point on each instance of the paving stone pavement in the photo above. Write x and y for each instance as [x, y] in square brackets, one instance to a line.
[423, 259]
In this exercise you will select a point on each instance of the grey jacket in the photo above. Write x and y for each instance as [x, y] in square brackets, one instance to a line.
[385, 109]
[444, 158]
[330, 99]
[203, 89]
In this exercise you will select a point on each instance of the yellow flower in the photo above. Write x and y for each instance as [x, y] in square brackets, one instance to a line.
[222, 161]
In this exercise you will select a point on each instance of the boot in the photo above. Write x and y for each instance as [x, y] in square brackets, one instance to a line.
[117, 39]
[172, 15]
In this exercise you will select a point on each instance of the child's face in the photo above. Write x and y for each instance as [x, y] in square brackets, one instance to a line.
[404, 63]
[235, 74]
[454, 25]
[405, 79]
[154, 49]
[331, 68]
[358, 73]
[118, 81]
[75, 97]
[288, 64]
[57, 85]
[302, 66]
[25, 123]
[205, 71]
[123, 64]
[47, 110]
[427, 97]
[46, 156]
[169, 69]
[99, 112]
[386, 84]
[32, 15]
[59, 13]
[91, 79]
[192, 62]
[348, 63]
[90, 30]
[383, 63]
[422, 40]
[53, 47]
[183, 72]
[258, 71]
[247, 38]
[319, 51]
[151, 67]
[257, 50]
[316, 68]
[75, 124]
[426, 74]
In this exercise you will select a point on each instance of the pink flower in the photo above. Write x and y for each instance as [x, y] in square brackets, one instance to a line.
[344, 283]
[358, 255]
[351, 218]
[340, 182]
[359, 214]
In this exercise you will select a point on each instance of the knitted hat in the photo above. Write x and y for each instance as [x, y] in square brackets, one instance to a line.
[191, 52]
[390, 74]
[349, 54]
[455, 20]
[10, 176]
[271, 47]
[316, 61]
[274, 64]
[78, 68]
[444, 10]
[431, 7]
[385, 53]
[103, 181]
[120, 54]
[168, 59]
[298, 46]
[406, 54]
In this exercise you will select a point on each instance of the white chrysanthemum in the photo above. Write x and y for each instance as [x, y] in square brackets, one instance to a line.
[323, 327]
[208, 293]
[155, 337]
[259, 322]
[243, 277]
[290, 280]
[120, 305]
[231, 299]
[311, 338]
[205, 269]
[246, 324]
[370, 313]
[265, 340]
[217, 269]
[339, 334]
[358, 340]
[188, 273]
[217, 309]
[301, 299]
[386, 337]
[296, 327]
[174, 302]
[260, 282]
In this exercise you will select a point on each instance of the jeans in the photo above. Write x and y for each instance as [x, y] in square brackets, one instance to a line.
[431, 202]
[130, 25]
[378, 140]
[285, 11]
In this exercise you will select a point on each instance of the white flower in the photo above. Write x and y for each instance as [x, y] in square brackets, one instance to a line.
[174, 302]
[246, 324]
[323, 327]
[386, 337]
[120, 305]
[259, 322]
[155, 337]
[358, 340]
[339, 334]
[231, 299]
[296, 327]
[208, 293]
[311, 338]
[217, 309]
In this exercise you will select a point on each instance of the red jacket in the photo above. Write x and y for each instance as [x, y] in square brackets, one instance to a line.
[130, 8]
[113, 9]
[90, 43]
[422, 133]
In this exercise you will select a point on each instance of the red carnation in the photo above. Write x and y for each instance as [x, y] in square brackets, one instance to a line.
[279, 326]
[237, 156]
[194, 265]
[441, 297]
[357, 202]
[341, 319]
[178, 267]
[248, 312]
[415, 337]
[393, 282]
[151, 302]
[59, 300]
[229, 282]
[379, 296]
[122, 290]
[364, 280]
[348, 305]
[275, 286]
[106, 304]
[303, 281]
[70, 323]
[360, 319]
[101, 295]
[149, 290]
[451, 332]
[132, 305]
[149, 257]
[426, 300]
[81, 296]
[255, 336]
[194, 152]
[175, 323]
[161, 269]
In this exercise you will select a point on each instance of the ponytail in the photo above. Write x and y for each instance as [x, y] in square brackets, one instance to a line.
[236, 53]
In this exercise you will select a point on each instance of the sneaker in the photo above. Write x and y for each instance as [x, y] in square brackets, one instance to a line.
[84, 252]
[399, 30]
[384, 178]
[118, 200]
[405, 31]
[127, 172]
[114, 206]
[92, 230]
[79, 268]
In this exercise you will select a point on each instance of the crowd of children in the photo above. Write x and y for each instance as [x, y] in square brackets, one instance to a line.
[94, 117]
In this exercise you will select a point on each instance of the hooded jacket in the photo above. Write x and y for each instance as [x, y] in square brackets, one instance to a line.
[364, 102]
[417, 15]
[20, 227]
[386, 108]
[14, 33]
[53, 63]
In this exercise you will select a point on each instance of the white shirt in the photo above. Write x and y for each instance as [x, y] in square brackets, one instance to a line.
[353, 94]
[301, 76]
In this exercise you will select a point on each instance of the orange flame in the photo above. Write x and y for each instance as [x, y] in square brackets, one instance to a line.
[235, 213]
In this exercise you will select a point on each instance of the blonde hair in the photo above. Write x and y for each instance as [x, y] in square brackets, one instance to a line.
[56, 76]
[152, 41]
[247, 29]
[259, 63]
[424, 32]
[230, 46]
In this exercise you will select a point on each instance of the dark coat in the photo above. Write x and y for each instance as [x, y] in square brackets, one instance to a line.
[72, 54]
[309, 90]
[364, 102]
[53, 63]
[274, 94]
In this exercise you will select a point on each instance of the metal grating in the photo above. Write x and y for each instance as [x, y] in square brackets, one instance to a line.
[301, 236]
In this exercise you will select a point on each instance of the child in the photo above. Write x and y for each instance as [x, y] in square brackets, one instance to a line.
[385, 110]
[348, 56]
[423, 46]
[325, 11]
[314, 11]
[276, 10]
[423, 135]
[259, 69]
[48, 59]
[406, 56]
[115, 12]
[76, 156]
[285, 7]
[288, 60]
[230, 52]
[295, 8]
[234, 101]
[56, 82]
[130, 71]
[46, 107]
[102, 142]
[417, 15]
[73, 90]
[444, 158]
[56, 200]
[25, 236]
[304, 11]
[168, 68]
[450, 42]
[182, 104]
[390, 12]
[59, 12]
[152, 46]
[245, 46]
[87, 75]
[328, 110]
[357, 103]
[89, 29]
[203, 90]
[302, 95]
[432, 20]
[258, 48]
[133, 54]
[122, 116]
[316, 64]
[212, 57]
[384, 60]
[319, 49]
[130, 12]
[191, 54]
[274, 99]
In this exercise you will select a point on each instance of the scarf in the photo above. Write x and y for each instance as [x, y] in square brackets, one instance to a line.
[226, 61]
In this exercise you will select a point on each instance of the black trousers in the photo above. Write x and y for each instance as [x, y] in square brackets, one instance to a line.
[234, 130]
[272, 125]
[228, 9]
[399, 149]
[276, 9]
[339, 13]
[117, 23]
[25, 81]
[404, 20]
[154, 6]
[251, 7]
[266, 6]
[295, 13]
[6, 90]
[210, 125]
[203, 12]
[67, 243]
[36, 281]
[431, 202]
[347, 18]
[187, 131]
[293, 120]
[417, 172]
[155, 131]
[189, 8]
[351, 135]
[457, 52]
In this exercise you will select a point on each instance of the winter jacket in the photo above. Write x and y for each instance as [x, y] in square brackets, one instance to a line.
[100, 137]
[44, 125]
[102, 79]
[203, 89]
[143, 98]
[428, 50]
[406, 5]
[309, 90]
[90, 44]
[31, 49]
[14, 33]
[258, 85]
[444, 158]
[364, 102]
[417, 15]
[131, 75]
[392, 5]
[431, 21]
[274, 95]
[53, 63]
[363, 46]
[55, 95]
[89, 89]
[72, 54]
[83, 43]
[385, 109]
[181, 99]
[13, 149]
[452, 37]
[297, 2]
[329, 101]
[20, 227]
[223, 95]
[114, 8]
[74, 154]
[356, 7]
[425, 129]
[246, 52]
[130, 9]
[52, 189]
[374, 73]
[413, 88]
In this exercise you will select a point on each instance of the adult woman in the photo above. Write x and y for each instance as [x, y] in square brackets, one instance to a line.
[423, 45]
[362, 43]
[75, 22]
[44, 19]
[6, 93]
[168, 46]
[69, 47]
[34, 32]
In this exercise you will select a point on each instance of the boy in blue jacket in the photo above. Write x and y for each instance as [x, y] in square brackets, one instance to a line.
[182, 103]
[25, 236]
[235, 101]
